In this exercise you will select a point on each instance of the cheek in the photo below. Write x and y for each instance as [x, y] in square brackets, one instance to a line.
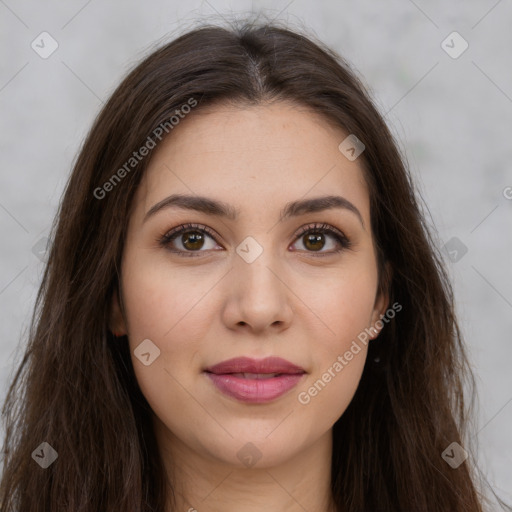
[160, 300]
[345, 303]
[345, 307]
[339, 354]
[173, 308]
[163, 307]
[328, 392]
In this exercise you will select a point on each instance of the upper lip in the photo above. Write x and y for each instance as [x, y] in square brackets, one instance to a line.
[249, 365]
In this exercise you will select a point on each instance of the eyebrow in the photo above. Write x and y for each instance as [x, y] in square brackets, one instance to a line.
[221, 209]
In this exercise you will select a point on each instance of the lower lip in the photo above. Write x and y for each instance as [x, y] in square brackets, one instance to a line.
[255, 391]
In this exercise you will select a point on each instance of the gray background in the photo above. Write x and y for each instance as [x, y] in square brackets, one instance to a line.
[452, 117]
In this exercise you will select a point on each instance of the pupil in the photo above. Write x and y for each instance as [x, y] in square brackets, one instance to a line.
[315, 240]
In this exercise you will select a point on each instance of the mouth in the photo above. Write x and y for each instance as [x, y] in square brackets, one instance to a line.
[258, 376]
[255, 381]
[250, 366]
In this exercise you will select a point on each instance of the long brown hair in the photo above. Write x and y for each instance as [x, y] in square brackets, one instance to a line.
[75, 387]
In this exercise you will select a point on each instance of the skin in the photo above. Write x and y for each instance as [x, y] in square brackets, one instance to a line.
[214, 306]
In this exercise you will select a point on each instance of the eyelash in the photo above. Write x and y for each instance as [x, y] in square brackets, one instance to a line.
[171, 235]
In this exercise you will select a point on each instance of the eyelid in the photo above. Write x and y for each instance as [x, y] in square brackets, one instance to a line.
[315, 226]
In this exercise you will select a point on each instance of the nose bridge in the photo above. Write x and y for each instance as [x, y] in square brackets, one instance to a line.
[259, 289]
[257, 265]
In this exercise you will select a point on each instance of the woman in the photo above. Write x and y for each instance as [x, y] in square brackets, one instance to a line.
[243, 308]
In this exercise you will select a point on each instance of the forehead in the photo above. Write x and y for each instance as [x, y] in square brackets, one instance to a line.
[253, 157]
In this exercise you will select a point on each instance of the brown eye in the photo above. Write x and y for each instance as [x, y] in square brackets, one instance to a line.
[192, 242]
[314, 242]
[316, 237]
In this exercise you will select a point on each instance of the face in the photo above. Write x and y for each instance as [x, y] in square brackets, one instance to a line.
[257, 285]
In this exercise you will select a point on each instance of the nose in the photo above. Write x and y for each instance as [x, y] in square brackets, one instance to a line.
[258, 296]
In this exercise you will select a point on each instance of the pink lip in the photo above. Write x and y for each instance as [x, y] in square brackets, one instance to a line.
[255, 390]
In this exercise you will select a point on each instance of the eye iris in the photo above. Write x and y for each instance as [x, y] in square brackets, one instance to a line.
[316, 240]
[192, 237]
